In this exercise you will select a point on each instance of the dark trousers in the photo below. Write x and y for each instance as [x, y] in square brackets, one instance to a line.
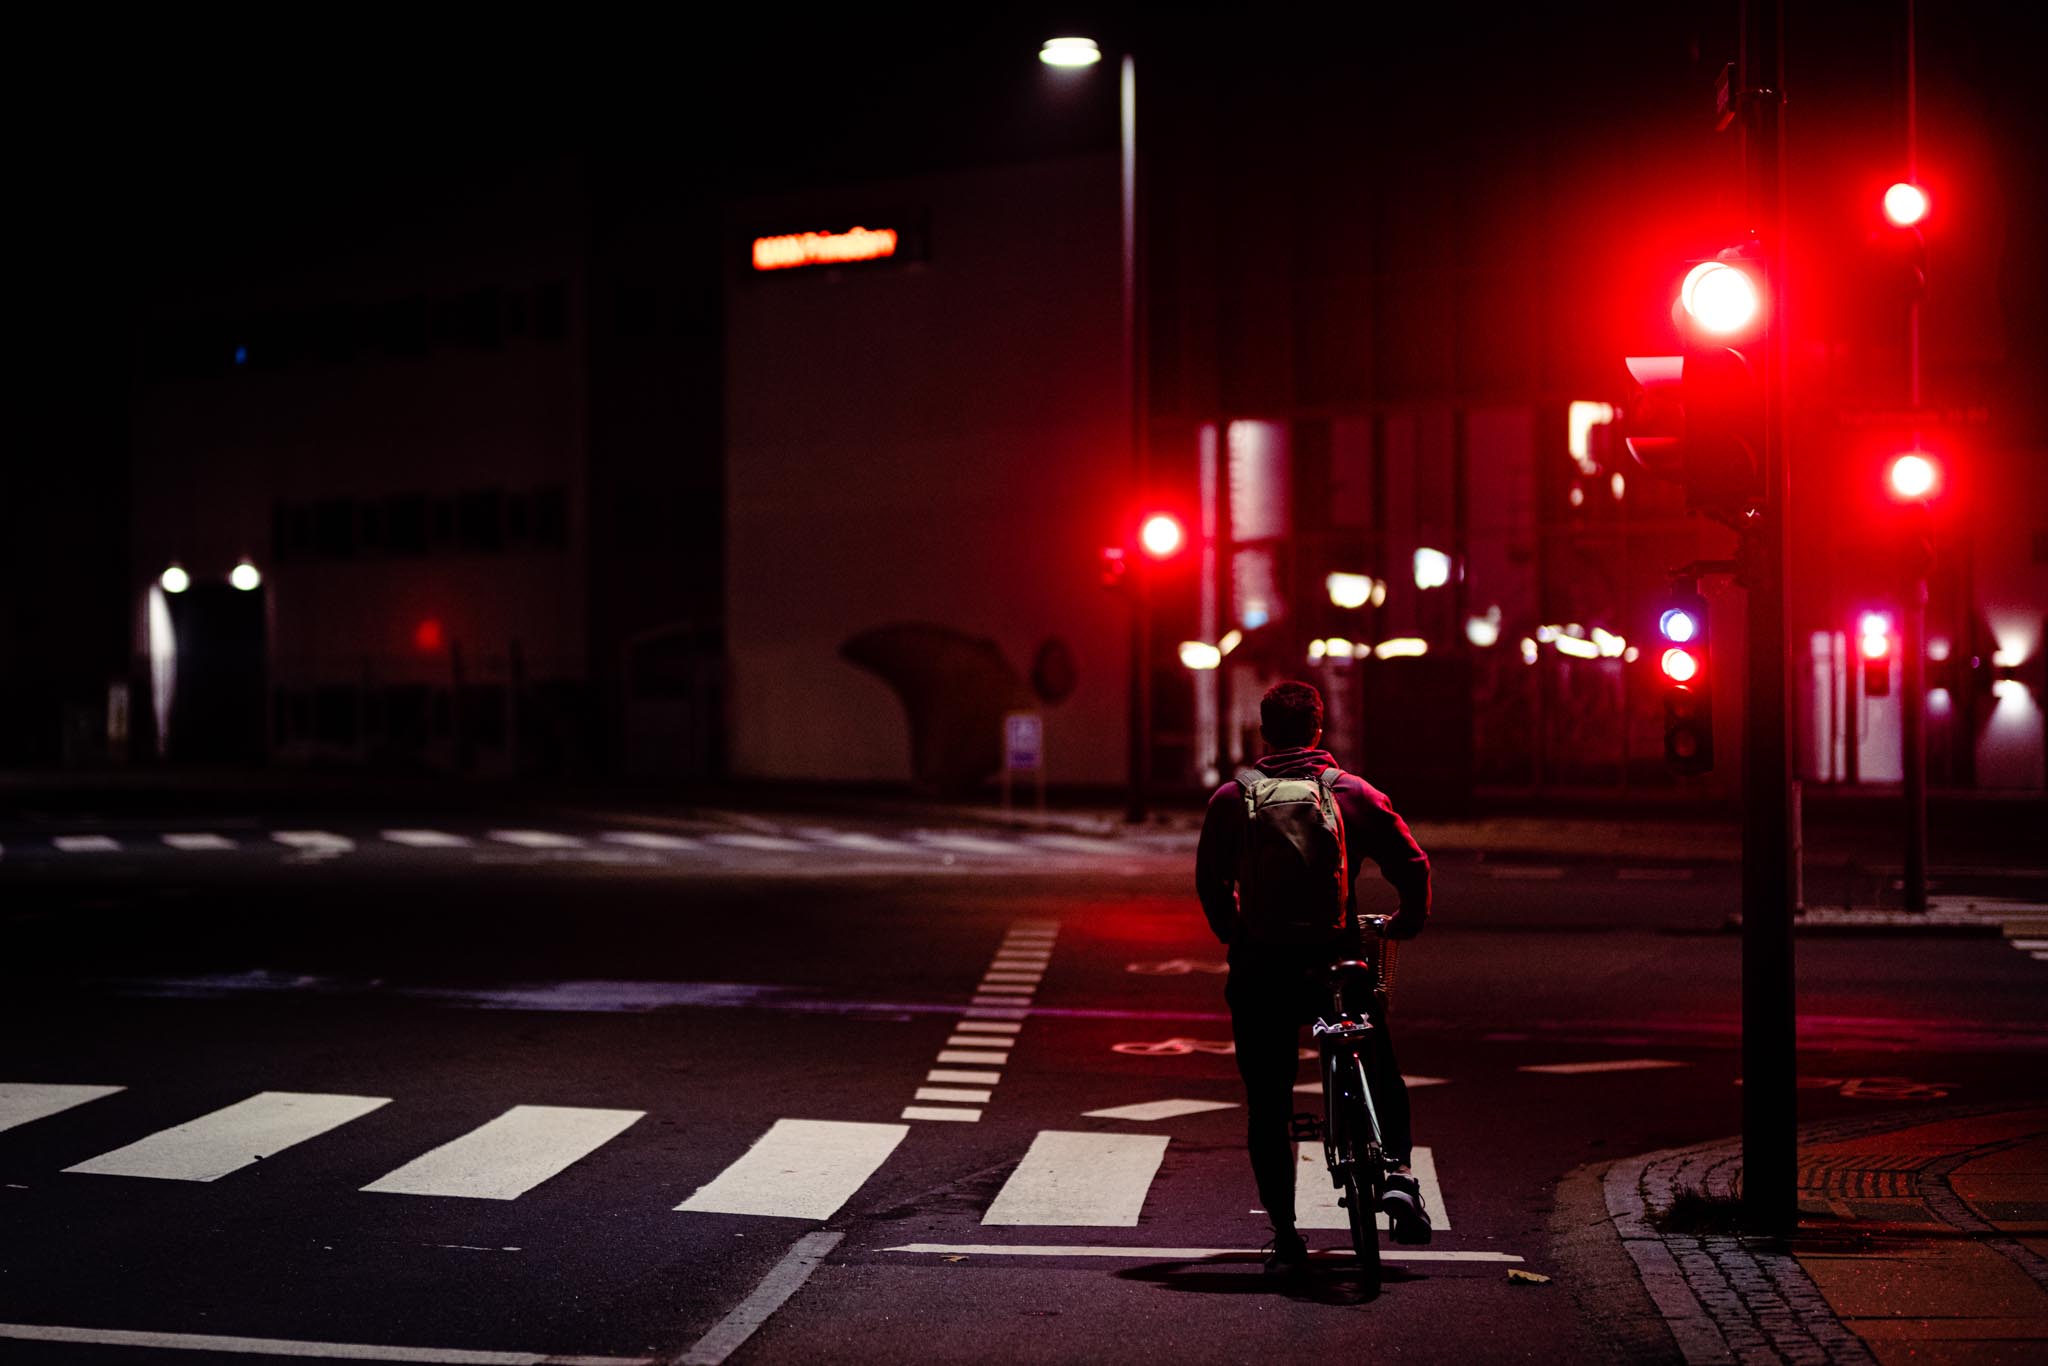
[1272, 996]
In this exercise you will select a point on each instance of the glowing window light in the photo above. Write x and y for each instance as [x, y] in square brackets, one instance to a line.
[1336, 647]
[1719, 297]
[1905, 204]
[794, 249]
[1160, 535]
[1546, 634]
[1379, 593]
[1677, 625]
[1577, 497]
[1581, 417]
[1679, 666]
[1617, 485]
[1484, 632]
[1609, 644]
[1199, 654]
[1913, 475]
[1938, 701]
[1432, 568]
[246, 577]
[1317, 649]
[1576, 648]
[1937, 649]
[175, 579]
[1401, 647]
[1349, 590]
[1070, 52]
[2004, 659]
[2009, 690]
[1528, 650]
[1231, 640]
[1631, 654]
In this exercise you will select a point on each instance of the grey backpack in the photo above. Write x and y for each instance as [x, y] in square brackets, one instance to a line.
[1293, 878]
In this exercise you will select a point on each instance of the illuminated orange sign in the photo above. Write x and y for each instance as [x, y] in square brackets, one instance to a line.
[823, 248]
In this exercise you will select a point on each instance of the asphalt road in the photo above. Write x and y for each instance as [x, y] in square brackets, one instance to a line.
[448, 1094]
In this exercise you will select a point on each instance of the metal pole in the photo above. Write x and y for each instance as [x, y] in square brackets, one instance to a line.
[1770, 1202]
[1913, 617]
[1140, 701]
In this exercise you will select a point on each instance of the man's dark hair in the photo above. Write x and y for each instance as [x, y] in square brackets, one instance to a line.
[1290, 714]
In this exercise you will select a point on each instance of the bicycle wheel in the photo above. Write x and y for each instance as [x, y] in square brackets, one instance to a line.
[1364, 1173]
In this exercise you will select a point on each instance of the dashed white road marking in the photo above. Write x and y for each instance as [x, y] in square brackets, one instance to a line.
[1080, 1179]
[862, 843]
[1503, 872]
[1414, 1083]
[981, 1011]
[213, 1145]
[1002, 989]
[1572, 1069]
[1160, 1109]
[965, 1095]
[986, 1027]
[22, 1101]
[197, 841]
[1080, 844]
[799, 1169]
[86, 844]
[957, 1075]
[648, 839]
[2031, 945]
[426, 839]
[941, 1113]
[767, 844]
[974, 1055]
[972, 1041]
[1653, 874]
[2040, 955]
[971, 844]
[783, 1280]
[510, 1155]
[1315, 1199]
[536, 839]
[313, 841]
[1013, 977]
[1180, 1254]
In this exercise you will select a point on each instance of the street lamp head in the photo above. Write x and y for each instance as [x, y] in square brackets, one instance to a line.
[1070, 52]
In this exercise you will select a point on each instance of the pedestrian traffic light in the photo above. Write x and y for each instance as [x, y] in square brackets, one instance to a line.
[1874, 647]
[1684, 662]
[1112, 566]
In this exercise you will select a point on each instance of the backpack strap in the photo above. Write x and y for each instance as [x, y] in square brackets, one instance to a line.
[1328, 778]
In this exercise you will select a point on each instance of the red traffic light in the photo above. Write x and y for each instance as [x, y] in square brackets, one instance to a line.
[1679, 665]
[1161, 536]
[1905, 204]
[428, 635]
[1913, 476]
[1722, 298]
[1875, 632]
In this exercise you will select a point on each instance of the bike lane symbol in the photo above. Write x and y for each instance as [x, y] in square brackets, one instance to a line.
[1180, 1048]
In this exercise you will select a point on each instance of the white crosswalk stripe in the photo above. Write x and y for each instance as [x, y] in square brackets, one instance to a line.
[536, 839]
[22, 1101]
[799, 1169]
[648, 839]
[862, 843]
[1080, 1180]
[766, 844]
[86, 844]
[1315, 1199]
[426, 839]
[971, 844]
[509, 1156]
[213, 1145]
[197, 841]
[313, 841]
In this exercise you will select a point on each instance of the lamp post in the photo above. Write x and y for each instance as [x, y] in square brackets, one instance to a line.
[1076, 53]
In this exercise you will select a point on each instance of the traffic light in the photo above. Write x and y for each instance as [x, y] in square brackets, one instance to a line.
[1684, 661]
[1162, 536]
[1698, 418]
[1874, 647]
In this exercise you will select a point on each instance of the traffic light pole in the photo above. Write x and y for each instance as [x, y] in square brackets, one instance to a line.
[1139, 805]
[1770, 1202]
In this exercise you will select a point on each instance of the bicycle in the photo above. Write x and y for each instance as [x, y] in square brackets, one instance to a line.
[1352, 1142]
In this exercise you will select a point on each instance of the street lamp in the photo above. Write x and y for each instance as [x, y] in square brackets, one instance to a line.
[1075, 53]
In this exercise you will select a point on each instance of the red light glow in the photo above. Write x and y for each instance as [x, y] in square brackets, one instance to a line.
[1161, 535]
[823, 248]
[1720, 297]
[1905, 205]
[1913, 476]
[1679, 665]
[1876, 645]
[428, 635]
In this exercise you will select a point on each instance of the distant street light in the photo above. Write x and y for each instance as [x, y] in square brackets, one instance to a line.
[175, 579]
[246, 577]
[1070, 52]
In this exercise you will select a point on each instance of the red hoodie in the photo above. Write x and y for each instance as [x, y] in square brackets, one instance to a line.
[1372, 829]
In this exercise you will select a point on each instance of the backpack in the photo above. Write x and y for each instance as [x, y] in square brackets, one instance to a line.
[1292, 874]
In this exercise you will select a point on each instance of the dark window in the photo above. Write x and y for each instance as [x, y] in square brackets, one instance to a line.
[334, 715]
[551, 312]
[483, 714]
[440, 523]
[370, 525]
[405, 524]
[470, 319]
[515, 313]
[551, 517]
[483, 520]
[518, 524]
[440, 713]
[405, 716]
[400, 327]
[334, 528]
[635, 311]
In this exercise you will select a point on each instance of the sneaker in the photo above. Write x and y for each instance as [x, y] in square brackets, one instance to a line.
[1289, 1255]
[1404, 1209]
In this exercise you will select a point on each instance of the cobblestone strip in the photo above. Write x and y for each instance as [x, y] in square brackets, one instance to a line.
[1723, 1302]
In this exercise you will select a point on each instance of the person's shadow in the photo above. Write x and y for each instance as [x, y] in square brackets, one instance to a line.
[1332, 1280]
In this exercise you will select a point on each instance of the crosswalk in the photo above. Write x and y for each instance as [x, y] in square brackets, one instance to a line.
[759, 845]
[798, 1168]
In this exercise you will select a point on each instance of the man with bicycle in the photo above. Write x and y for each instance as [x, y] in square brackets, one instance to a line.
[1281, 941]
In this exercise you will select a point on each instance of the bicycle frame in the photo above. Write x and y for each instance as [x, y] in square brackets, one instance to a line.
[1341, 1044]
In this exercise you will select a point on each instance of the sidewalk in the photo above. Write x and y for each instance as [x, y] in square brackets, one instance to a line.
[1921, 1239]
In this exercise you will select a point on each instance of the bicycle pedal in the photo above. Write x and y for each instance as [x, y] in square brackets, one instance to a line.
[1305, 1128]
